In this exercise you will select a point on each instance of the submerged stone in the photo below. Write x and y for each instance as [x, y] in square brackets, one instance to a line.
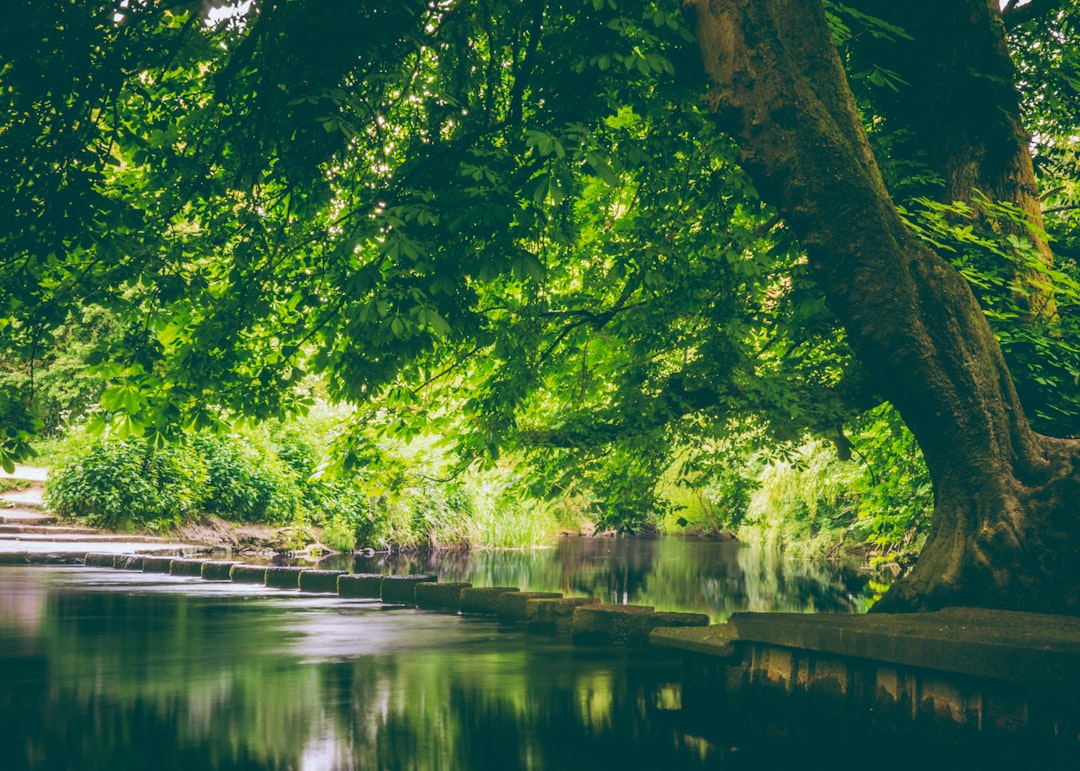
[248, 574]
[440, 596]
[511, 605]
[483, 599]
[320, 580]
[283, 578]
[403, 588]
[365, 586]
[545, 615]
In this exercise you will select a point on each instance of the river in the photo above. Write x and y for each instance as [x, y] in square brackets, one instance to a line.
[109, 669]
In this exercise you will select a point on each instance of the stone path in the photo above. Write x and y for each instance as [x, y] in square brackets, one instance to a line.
[29, 533]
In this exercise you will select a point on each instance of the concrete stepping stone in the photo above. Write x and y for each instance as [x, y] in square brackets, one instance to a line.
[601, 624]
[283, 578]
[403, 588]
[364, 586]
[511, 605]
[248, 574]
[434, 596]
[157, 564]
[484, 599]
[217, 570]
[324, 581]
[186, 567]
[551, 615]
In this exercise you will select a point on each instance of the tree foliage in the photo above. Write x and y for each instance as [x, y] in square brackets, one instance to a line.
[513, 224]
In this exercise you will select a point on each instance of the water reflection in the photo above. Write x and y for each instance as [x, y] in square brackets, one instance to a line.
[135, 671]
[716, 578]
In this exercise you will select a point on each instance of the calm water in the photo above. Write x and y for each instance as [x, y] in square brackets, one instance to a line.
[669, 573]
[115, 670]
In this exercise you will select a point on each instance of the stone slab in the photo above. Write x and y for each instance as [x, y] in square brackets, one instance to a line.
[283, 578]
[440, 596]
[604, 624]
[248, 574]
[364, 586]
[716, 640]
[217, 570]
[550, 615]
[511, 605]
[483, 599]
[157, 564]
[186, 567]
[1032, 648]
[128, 561]
[324, 581]
[100, 560]
[403, 588]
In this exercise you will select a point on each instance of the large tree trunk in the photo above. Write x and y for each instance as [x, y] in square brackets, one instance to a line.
[1006, 532]
[959, 112]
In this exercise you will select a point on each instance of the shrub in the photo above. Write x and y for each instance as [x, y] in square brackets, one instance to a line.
[126, 484]
[247, 482]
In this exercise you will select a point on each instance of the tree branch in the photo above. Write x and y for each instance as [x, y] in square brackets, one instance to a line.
[1016, 15]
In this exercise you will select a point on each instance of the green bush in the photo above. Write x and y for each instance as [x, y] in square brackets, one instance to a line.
[126, 484]
[247, 483]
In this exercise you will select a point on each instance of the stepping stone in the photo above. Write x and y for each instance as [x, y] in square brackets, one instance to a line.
[548, 616]
[484, 599]
[157, 564]
[283, 578]
[185, 567]
[403, 588]
[440, 596]
[511, 606]
[320, 580]
[366, 586]
[218, 570]
[602, 624]
[248, 574]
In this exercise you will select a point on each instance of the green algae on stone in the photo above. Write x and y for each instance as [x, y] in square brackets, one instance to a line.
[433, 596]
[283, 578]
[484, 599]
[551, 615]
[217, 570]
[603, 624]
[248, 574]
[186, 567]
[157, 564]
[511, 605]
[403, 588]
[324, 581]
[361, 586]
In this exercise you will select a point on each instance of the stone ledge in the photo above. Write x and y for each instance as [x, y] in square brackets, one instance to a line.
[716, 640]
[1030, 648]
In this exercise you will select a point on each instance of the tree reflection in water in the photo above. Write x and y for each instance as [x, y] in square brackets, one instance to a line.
[716, 578]
[129, 670]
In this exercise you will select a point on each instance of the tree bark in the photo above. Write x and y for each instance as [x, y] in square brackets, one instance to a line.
[960, 108]
[1005, 532]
